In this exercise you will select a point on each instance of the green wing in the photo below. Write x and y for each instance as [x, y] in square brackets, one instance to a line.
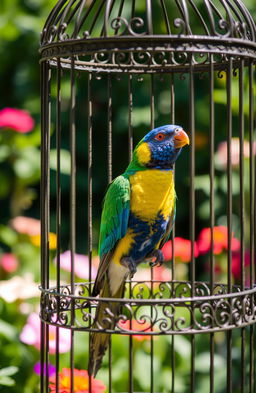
[114, 223]
[115, 214]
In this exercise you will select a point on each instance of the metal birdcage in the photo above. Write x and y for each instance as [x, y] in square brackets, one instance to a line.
[111, 70]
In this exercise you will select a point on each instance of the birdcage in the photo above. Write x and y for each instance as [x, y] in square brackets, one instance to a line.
[111, 70]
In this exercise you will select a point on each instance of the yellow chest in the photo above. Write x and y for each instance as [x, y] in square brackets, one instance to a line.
[152, 191]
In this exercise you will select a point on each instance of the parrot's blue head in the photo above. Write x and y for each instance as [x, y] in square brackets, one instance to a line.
[161, 147]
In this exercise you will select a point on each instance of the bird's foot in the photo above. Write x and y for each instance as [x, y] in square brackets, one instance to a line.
[158, 258]
[130, 264]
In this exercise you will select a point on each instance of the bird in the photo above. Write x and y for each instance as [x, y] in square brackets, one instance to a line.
[137, 218]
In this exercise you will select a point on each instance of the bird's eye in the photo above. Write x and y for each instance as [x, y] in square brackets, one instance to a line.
[176, 129]
[160, 136]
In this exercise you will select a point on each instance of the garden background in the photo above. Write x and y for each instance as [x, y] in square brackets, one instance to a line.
[20, 26]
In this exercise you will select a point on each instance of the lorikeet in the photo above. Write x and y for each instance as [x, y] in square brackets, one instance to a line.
[137, 218]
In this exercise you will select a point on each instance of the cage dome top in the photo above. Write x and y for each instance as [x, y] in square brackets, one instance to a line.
[119, 32]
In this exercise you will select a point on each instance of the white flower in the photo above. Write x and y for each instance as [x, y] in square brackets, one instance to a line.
[18, 288]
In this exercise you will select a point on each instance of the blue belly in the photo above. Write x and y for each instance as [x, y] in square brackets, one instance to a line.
[146, 236]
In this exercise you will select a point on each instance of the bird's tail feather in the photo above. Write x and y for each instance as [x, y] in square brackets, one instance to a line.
[99, 341]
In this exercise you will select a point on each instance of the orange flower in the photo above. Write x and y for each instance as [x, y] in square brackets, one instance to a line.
[81, 382]
[136, 326]
[182, 250]
[220, 240]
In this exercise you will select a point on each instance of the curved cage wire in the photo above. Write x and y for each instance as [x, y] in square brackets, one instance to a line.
[111, 71]
[117, 36]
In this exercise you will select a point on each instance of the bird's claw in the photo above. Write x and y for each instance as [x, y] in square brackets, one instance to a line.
[130, 264]
[159, 258]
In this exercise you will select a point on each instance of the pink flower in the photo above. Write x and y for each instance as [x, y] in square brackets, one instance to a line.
[220, 240]
[16, 119]
[222, 152]
[31, 335]
[81, 264]
[51, 369]
[182, 250]
[9, 262]
[26, 225]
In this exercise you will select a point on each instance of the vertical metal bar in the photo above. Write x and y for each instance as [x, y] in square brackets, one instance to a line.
[58, 211]
[130, 108]
[212, 218]
[119, 14]
[133, 9]
[48, 217]
[109, 128]
[152, 123]
[45, 210]
[192, 211]
[110, 365]
[89, 199]
[110, 179]
[43, 75]
[149, 16]
[72, 211]
[254, 254]
[252, 213]
[172, 113]
[172, 118]
[241, 168]
[42, 350]
[229, 214]
[242, 226]
[130, 149]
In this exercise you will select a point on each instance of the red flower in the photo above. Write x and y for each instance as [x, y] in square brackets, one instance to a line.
[81, 382]
[220, 240]
[9, 262]
[136, 326]
[182, 249]
[16, 119]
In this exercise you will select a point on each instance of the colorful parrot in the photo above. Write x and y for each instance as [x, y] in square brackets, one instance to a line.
[137, 219]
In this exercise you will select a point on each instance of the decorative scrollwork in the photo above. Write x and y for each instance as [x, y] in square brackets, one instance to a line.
[180, 24]
[226, 26]
[156, 307]
[129, 26]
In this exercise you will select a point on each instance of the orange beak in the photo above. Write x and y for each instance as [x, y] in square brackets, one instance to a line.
[180, 139]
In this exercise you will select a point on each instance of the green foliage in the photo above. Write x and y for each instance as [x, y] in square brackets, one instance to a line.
[5, 376]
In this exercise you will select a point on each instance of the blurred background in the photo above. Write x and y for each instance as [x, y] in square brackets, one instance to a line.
[20, 24]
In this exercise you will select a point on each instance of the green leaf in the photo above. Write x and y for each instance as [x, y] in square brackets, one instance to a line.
[5, 375]
[7, 371]
[64, 161]
[203, 183]
[202, 362]
[31, 139]
[28, 164]
[4, 152]
[7, 381]
[8, 236]
[7, 330]
[6, 183]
